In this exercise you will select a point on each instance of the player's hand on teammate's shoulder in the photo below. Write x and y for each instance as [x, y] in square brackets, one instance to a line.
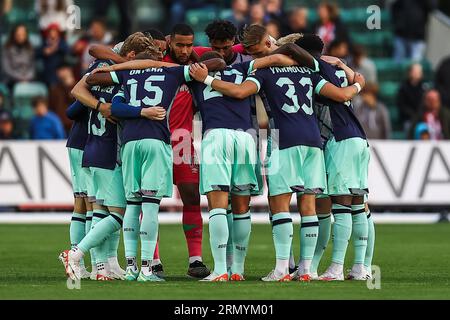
[198, 71]
[332, 60]
[359, 78]
[154, 113]
[103, 69]
[105, 110]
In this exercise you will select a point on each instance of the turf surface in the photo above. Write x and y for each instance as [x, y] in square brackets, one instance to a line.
[414, 262]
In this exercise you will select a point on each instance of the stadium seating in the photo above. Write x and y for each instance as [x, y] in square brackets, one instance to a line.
[23, 94]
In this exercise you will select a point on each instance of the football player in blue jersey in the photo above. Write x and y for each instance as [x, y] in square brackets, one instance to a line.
[101, 156]
[228, 163]
[146, 154]
[80, 223]
[347, 159]
[295, 163]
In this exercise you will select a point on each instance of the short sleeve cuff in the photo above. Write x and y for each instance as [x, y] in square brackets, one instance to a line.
[114, 77]
[320, 86]
[187, 75]
[316, 66]
[119, 94]
[255, 81]
[250, 67]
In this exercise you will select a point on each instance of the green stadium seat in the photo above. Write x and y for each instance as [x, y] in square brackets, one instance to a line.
[200, 18]
[226, 14]
[399, 135]
[4, 90]
[25, 15]
[29, 89]
[377, 42]
[388, 91]
[201, 39]
[23, 93]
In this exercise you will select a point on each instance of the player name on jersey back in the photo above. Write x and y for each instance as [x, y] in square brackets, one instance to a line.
[101, 145]
[289, 93]
[149, 88]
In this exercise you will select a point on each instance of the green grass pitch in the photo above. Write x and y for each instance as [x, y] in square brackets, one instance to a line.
[413, 260]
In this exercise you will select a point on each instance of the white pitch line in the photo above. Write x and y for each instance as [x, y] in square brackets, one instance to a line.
[175, 218]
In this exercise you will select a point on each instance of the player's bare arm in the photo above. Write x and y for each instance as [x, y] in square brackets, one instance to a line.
[350, 74]
[136, 65]
[212, 64]
[82, 93]
[301, 56]
[274, 60]
[154, 113]
[121, 109]
[343, 94]
[105, 53]
[99, 79]
[200, 73]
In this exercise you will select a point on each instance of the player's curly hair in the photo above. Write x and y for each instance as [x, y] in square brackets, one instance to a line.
[136, 42]
[221, 30]
[311, 43]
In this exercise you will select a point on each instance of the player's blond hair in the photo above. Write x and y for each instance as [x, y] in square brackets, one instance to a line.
[137, 42]
[290, 38]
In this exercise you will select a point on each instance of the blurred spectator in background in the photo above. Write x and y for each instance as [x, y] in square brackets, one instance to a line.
[53, 12]
[239, 13]
[373, 114]
[6, 126]
[298, 21]
[97, 34]
[176, 9]
[45, 125]
[362, 64]
[52, 53]
[5, 6]
[273, 28]
[3, 102]
[275, 12]
[18, 57]
[330, 27]
[257, 14]
[422, 132]
[435, 116]
[410, 18]
[442, 81]
[339, 48]
[60, 97]
[125, 9]
[410, 94]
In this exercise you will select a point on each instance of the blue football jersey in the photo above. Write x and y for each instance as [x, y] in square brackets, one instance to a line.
[78, 133]
[289, 93]
[220, 111]
[101, 146]
[345, 124]
[148, 88]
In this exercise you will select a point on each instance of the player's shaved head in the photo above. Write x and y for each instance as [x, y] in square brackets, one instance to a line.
[210, 55]
[311, 43]
[182, 29]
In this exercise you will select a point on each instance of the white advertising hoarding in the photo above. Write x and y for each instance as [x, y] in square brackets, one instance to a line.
[400, 173]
